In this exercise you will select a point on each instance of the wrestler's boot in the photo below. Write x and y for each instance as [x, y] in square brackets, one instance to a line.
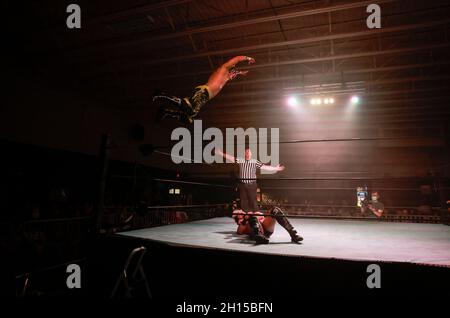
[166, 99]
[176, 114]
[278, 215]
[171, 107]
[257, 231]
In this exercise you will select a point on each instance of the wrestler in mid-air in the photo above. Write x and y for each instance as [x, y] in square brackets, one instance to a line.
[185, 109]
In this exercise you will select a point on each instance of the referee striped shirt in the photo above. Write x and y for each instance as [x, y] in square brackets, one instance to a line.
[247, 169]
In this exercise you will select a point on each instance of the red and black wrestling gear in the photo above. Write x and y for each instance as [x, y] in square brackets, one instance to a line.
[182, 109]
[257, 231]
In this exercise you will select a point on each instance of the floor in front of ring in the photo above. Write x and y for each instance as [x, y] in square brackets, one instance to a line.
[339, 239]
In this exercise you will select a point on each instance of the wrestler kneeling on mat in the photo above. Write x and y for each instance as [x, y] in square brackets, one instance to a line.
[185, 109]
[260, 227]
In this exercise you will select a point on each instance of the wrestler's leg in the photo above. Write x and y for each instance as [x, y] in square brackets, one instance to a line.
[170, 107]
[257, 231]
[269, 226]
[278, 215]
[184, 109]
[177, 114]
[199, 97]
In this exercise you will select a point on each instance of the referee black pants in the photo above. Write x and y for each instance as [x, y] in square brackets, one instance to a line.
[247, 194]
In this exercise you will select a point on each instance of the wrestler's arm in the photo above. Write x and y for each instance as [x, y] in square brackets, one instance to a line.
[224, 73]
[237, 59]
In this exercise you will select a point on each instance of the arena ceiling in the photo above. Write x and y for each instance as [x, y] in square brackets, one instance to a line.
[127, 49]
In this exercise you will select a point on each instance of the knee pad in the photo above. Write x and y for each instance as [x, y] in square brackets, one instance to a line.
[255, 226]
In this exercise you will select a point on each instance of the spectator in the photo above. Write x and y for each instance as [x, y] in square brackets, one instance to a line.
[374, 206]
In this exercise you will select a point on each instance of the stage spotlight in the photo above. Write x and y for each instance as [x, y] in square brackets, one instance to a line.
[312, 101]
[354, 100]
[292, 101]
[319, 101]
[331, 100]
[326, 101]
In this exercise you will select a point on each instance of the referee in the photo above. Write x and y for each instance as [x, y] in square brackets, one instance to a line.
[247, 177]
